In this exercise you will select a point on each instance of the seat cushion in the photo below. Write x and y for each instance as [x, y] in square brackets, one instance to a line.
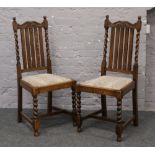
[108, 82]
[44, 80]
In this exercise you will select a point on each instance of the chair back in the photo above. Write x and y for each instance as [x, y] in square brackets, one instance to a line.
[123, 36]
[31, 39]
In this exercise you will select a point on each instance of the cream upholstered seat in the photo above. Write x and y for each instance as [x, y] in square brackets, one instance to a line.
[44, 80]
[108, 82]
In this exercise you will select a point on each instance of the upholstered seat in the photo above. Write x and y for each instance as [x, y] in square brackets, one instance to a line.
[43, 80]
[40, 81]
[108, 82]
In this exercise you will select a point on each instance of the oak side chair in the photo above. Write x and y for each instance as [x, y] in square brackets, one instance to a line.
[33, 37]
[121, 36]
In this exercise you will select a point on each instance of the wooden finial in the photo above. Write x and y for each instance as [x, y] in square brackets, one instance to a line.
[14, 23]
[106, 22]
[107, 16]
[14, 18]
[139, 18]
[44, 17]
[45, 22]
[139, 24]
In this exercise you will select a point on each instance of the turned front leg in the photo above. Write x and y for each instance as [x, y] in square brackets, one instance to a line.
[79, 112]
[74, 106]
[36, 121]
[119, 127]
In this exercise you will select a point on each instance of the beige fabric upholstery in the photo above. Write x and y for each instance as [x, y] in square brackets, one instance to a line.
[108, 82]
[43, 80]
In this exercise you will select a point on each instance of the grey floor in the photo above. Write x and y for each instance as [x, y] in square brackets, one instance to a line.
[58, 131]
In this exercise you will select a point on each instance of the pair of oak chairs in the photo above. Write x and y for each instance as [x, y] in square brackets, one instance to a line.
[32, 46]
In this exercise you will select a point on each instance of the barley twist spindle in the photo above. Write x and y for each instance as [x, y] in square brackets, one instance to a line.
[35, 108]
[74, 106]
[137, 47]
[138, 27]
[17, 48]
[119, 120]
[47, 45]
[36, 121]
[79, 111]
[105, 46]
[119, 111]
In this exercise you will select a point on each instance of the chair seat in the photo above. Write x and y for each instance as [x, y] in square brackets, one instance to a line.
[106, 85]
[41, 82]
[108, 82]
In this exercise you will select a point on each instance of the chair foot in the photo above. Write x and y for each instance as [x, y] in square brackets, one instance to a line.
[135, 120]
[79, 129]
[119, 132]
[119, 139]
[36, 128]
[135, 123]
[19, 118]
[36, 133]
